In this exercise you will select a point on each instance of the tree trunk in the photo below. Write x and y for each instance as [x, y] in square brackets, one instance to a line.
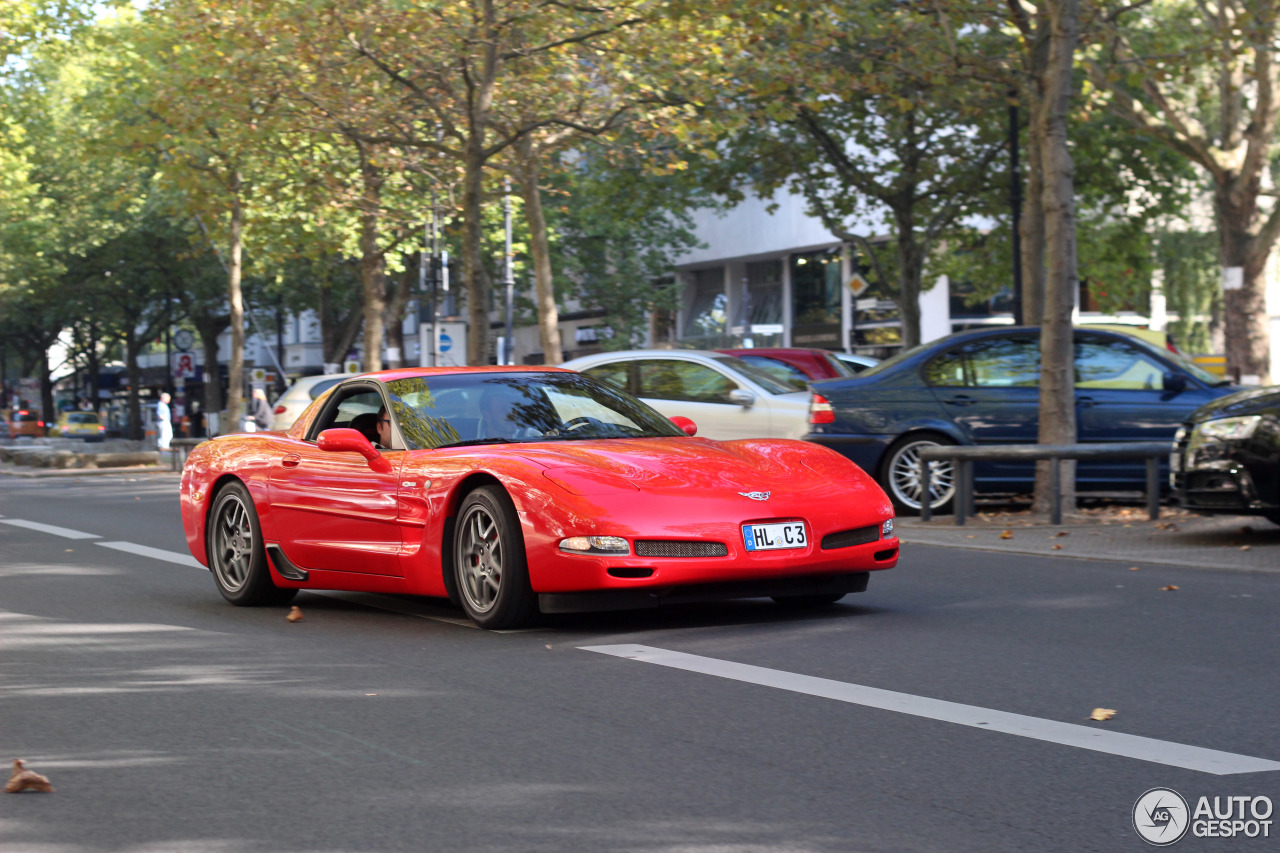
[235, 299]
[1057, 350]
[540, 249]
[47, 412]
[1032, 226]
[1246, 323]
[473, 254]
[371, 278]
[397, 307]
[910, 270]
[131, 347]
[209, 329]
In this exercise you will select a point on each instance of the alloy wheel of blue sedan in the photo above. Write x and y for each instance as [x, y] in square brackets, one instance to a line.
[905, 482]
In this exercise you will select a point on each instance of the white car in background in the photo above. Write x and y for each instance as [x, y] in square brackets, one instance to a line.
[726, 397]
[291, 403]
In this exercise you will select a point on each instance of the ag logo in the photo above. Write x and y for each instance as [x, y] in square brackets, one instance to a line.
[1161, 817]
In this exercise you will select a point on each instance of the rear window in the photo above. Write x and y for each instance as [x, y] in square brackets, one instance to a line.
[82, 418]
[24, 417]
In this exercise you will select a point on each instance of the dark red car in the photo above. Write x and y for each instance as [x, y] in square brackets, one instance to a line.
[797, 365]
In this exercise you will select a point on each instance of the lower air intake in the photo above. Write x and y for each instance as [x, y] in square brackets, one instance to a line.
[664, 548]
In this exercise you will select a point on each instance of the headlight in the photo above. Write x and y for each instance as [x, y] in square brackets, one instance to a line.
[1226, 429]
[886, 529]
[612, 545]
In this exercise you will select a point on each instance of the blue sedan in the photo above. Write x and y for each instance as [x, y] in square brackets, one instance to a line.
[982, 387]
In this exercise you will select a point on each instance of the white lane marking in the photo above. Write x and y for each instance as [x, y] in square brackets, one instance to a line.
[64, 532]
[153, 553]
[1067, 734]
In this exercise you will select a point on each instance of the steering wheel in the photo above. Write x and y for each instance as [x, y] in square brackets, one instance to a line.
[579, 422]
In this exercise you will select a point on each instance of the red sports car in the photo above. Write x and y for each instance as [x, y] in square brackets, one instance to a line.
[517, 490]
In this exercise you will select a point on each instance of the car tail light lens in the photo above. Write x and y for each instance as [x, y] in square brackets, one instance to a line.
[279, 410]
[820, 411]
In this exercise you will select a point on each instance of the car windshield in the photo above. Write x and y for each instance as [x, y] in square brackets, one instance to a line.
[450, 410]
[756, 374]
[82, 418]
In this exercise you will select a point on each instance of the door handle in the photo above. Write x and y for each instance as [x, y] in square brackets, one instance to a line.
[961, 400]
[291, 460]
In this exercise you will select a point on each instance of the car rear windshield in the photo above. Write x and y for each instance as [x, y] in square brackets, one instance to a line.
[25, 417]
[320, 387]
[491, 407]
[82, 418]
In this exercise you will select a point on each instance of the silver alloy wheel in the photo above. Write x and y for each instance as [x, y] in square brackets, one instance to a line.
[233, 544]
[481, 557]
[904, 476]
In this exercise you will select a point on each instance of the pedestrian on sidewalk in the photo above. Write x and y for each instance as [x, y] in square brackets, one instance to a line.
[164, 422]
[263, 417]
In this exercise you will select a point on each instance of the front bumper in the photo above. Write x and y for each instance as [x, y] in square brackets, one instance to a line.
[639, 599]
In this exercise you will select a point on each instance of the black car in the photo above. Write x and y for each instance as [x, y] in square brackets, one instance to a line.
[983, 387]
[1227, 458]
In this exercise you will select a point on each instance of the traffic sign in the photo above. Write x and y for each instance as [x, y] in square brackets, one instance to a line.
[184, 365]
[857, 284]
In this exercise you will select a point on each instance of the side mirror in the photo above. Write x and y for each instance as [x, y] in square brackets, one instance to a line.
[1175, 382]
[345, 440]
[740, 397]
[689, 427]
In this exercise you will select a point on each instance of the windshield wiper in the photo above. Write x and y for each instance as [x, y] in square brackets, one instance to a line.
[491, 440]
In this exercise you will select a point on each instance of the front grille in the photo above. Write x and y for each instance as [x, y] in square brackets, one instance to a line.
[849, 538]
[665, 548]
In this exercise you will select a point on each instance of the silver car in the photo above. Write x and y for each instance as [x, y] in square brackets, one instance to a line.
[300, 394]
[726, 397]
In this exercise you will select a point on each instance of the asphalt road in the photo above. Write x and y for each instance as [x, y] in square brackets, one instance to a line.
[171, 721]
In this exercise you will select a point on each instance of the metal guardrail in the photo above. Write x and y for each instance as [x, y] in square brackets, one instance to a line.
[964, 457]
[180, 449]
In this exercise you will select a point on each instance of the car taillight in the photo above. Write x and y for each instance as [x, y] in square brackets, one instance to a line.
[279, 410]
[820, 411]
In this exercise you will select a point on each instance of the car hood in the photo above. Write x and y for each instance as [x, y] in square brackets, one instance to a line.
[1252, 401]
[691, 467]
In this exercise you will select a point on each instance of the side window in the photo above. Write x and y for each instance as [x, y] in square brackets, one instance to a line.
[947, 370]
[671, 379]
[1005, 363]
[615, 374]
[1106, 363]
[779, 370]
[358, 401]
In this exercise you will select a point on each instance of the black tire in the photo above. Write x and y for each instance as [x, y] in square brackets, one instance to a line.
[237, 556]
[1273, 517]
[489, 562]
[799, 602]
[900, 474]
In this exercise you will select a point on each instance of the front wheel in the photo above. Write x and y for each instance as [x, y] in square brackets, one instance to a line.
[236, 553]
[490, 563]
[900, 475]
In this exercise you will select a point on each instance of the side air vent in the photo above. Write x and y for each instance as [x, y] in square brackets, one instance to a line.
[283, 566]
[849, 538]
[674, 548]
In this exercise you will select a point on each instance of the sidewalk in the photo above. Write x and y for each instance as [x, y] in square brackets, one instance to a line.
[1112, 532]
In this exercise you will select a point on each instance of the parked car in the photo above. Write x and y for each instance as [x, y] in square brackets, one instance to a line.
[982, 387]
[794, 365]
[600, 503]
[1227, 458]
[856, 361]
[26, 422]
[80, 425]
[726, 397]
[299, 395]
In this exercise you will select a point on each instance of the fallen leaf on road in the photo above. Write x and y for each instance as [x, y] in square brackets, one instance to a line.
[1133, 568]
[1245, 547]
[1064, 533]
[26, 780]
[1102, 714]
[1169, 588]
[295, 614]
[1057, 547]
[971, 536]
[1008, 534]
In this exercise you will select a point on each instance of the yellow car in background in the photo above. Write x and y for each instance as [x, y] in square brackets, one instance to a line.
[84, 425]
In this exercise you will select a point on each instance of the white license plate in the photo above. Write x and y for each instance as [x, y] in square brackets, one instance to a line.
[774, 537]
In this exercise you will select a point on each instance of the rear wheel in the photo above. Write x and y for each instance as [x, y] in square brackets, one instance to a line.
[236, 553]
[1273, 517]
[900, 475]
[489, 561]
